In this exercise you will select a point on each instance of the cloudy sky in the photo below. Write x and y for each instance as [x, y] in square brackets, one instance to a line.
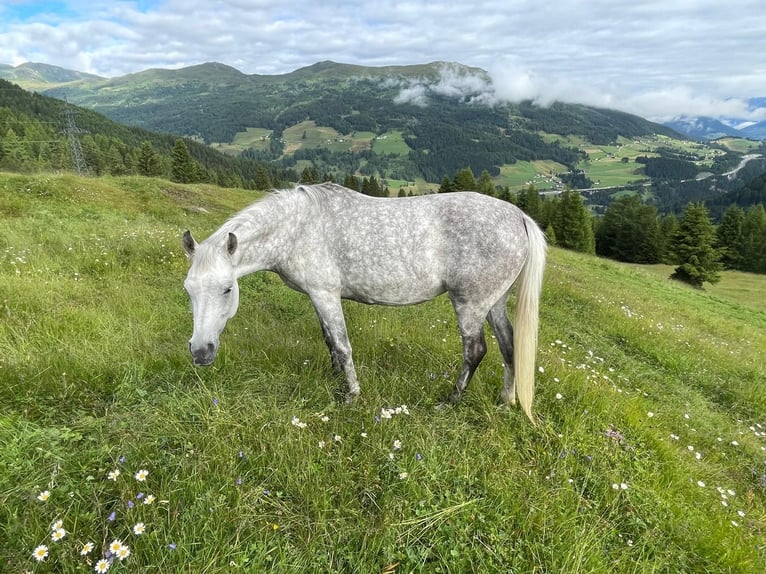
[655, 58]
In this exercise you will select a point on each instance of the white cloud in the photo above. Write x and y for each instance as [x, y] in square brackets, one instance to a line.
[417, 95]
[655, 58]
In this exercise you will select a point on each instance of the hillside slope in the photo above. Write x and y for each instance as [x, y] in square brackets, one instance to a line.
[649, 454]
[449, 116]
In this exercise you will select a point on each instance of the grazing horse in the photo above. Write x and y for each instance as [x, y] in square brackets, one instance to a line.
[333, 243]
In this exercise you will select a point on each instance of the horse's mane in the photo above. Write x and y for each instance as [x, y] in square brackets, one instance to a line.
[317, 194]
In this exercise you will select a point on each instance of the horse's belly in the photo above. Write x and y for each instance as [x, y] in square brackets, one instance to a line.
[393, 291]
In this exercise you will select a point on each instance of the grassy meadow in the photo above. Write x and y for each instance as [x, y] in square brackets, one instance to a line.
[649, 452]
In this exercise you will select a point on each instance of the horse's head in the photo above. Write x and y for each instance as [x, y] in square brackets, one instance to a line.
[212, 286]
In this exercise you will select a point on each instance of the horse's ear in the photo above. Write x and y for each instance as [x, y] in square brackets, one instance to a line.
[189, 244]
[231, 244]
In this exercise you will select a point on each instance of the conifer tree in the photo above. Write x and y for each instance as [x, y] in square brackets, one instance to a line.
[182, 168]
[309, 175]
[446, 185]
[629, 231]
[351, 182]
[464, 180]
[529, 201]
[485, 184]
[13, 155]
[148, 163]
[694, 245]
[668, 228]
[261, 180]
[573, 224]
[550, 234]
[729, 237]
[754, 240]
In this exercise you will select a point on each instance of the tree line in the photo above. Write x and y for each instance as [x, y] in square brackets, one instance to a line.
[33, 138]
[632, 230]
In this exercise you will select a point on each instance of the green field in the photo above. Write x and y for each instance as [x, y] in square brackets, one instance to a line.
[606, 165]
[390, 142]
[305, 134]
[541, 174]
[738, 144]
[649, 454]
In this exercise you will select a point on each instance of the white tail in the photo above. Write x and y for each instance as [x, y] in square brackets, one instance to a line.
[527, 316]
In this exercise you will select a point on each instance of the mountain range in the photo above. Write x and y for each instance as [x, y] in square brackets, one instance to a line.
[104, 94]
[401, 122]
[707, 128]
[412, 126]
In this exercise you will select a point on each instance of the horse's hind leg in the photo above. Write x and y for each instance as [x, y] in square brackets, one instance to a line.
[334, 360]
[501, 326]
[330, 313]
[471, 325]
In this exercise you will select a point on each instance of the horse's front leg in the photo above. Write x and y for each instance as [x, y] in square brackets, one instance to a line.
[330, 312]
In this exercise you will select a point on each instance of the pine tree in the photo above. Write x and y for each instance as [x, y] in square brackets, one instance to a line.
[668, 228]
[729, 237]
[485, 184]
[629, 231]
[573, 224]
[351, 182]
[182, 168]
[148, 164]
[372, 187]
[309, 175]
[529, 201]
[464, 180]
[261, 180]
[754, 240]
[13, 154]
[446, 185]
[550, 233]
[694, 245]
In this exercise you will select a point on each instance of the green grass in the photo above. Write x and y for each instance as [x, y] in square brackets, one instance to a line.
[96, 377]
[738, 144]
[390, 142]
[540, 173]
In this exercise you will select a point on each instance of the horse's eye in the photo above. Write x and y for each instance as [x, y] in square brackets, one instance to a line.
[227, 291]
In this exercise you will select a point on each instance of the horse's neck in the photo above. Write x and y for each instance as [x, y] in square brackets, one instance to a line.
[267, 233]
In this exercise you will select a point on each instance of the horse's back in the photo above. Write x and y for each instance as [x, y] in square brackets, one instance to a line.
[405, 250]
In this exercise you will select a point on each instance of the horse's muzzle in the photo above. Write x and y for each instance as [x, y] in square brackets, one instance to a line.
[203, 356]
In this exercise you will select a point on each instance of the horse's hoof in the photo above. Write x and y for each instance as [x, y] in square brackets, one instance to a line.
[350, 398]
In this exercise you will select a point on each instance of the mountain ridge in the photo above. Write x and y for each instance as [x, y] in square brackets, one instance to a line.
[413, 125]
[53, 79]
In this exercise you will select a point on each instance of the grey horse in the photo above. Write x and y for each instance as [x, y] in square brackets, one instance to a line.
[334, 243]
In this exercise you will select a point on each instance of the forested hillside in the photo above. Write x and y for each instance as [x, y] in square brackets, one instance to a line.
[33, 137]
[448, 116]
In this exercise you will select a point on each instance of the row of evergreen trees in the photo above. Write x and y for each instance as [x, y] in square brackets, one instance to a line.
[632, 231]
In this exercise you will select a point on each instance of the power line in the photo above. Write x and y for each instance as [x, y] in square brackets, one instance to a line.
[72, 131]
